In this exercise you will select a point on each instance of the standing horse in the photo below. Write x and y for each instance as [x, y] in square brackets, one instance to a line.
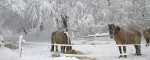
[125, 37]
[60, 37]
[146, 34]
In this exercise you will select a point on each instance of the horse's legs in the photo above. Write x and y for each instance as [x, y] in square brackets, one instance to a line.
[120, 50]
[61, 48]
[64, 49]
[136, 48]
[52, 47]
[124, 49]
[148, 41]
[139, 50]
[56, 48]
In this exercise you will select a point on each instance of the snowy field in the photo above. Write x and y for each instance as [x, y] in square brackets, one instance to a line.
[37, 19]
[105, 49]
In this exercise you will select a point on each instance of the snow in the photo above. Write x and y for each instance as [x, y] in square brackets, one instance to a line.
[65, 58]
[7, 54]
[85, 17]
[102, 34]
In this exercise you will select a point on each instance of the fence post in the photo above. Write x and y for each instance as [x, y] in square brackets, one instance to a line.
[20, 45]
[95, 37]
[2, 40]
[72, 36]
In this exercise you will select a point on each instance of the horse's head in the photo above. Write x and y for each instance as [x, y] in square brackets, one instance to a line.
[111, 30]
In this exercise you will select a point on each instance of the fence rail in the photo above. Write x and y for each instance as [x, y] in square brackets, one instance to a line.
[21, 41]
[33, 43]
[96, 45]
[93, 55]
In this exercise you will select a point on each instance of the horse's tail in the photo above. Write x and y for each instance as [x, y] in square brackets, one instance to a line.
[139, 34]
[69, 41]
[146, 36]
[145, 33]
[52, 37]
[69, 47]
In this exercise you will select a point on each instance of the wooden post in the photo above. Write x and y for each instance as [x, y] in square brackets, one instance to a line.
[95, 37]
[1, 43]
[72, 36]
[122, 50]
[20, 45]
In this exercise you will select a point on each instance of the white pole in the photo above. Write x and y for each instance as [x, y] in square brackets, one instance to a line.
[20, 45]
[2, 38]
[1, 43]
[72, 36]
[95, 37]
[122, 49]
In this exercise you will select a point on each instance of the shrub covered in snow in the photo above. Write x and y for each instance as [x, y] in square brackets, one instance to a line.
[11, 45]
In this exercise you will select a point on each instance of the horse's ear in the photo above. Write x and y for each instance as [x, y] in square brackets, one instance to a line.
[117, 28]
[113, 24]
[108, 24]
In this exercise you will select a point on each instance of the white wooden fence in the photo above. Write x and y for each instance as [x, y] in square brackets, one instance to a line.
[21, 40]
[95, 38]
[91, 56]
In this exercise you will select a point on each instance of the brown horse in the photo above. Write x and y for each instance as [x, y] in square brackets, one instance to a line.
[146, 34]
[60, 37]
[125, 37]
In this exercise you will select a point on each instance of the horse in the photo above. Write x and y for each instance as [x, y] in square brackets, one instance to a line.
[122, 37]
[60, 37]
[146, 34]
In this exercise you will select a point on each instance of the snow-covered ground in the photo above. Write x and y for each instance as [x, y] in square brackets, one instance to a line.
[103, 52]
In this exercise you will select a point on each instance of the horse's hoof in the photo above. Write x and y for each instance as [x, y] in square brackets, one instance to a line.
[146, 45]
[136, 54]
[139, 54]
[120, 56]
[52, 50]
[63, 52]
[125, 56]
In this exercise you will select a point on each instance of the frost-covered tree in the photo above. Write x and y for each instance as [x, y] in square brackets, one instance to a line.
[84, 16]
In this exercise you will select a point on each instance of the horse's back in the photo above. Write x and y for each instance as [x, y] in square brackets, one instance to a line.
[53, 37]
[132, 36]
[136, 33]
[59, 37]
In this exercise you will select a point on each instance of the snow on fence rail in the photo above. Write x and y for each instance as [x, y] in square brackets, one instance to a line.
[96, 45]
[77, 55]
[33, 43]
[96, 35]
[21, 41]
